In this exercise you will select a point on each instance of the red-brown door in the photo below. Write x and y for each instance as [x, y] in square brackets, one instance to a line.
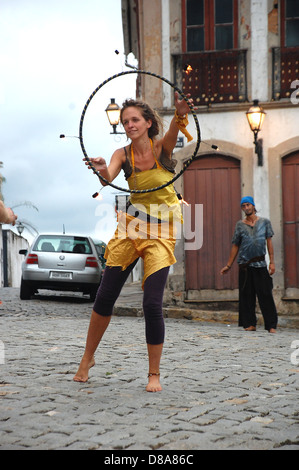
[290, 199]
[213, 181]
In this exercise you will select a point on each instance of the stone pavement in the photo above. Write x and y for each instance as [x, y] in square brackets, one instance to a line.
[223, 388]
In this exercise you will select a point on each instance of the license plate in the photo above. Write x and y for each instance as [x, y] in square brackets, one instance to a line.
[58, 275]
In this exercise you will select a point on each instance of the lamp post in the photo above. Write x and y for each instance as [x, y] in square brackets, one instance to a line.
[113, 114]
[256, 116]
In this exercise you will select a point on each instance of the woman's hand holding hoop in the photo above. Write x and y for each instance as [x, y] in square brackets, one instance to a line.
[98, 163]
[100, 166]
[182, 105]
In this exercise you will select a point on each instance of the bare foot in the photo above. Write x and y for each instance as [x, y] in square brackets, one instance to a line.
[272, 330]
[250, 328]
[153, 383]
[82, 374]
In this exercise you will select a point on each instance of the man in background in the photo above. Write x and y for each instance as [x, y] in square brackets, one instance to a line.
[252, 236]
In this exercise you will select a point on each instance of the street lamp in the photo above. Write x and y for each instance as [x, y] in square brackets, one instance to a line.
[20, 228]
[113, 114]
[256, 116]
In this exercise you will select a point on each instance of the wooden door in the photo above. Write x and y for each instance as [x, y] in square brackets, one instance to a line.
[290, 200]
[214, 182]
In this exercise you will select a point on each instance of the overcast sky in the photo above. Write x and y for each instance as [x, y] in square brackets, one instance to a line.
[53, 55]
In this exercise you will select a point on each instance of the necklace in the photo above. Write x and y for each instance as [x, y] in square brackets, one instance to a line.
[251, 222]
[133, 161]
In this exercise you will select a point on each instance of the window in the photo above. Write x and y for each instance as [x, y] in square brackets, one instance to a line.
[209, 25]
[224, 24]
[62, 244]
[195, 25]
[289, 23]
[285, 59]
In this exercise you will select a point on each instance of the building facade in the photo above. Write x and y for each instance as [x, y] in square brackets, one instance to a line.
[226, 54]
[10, 259]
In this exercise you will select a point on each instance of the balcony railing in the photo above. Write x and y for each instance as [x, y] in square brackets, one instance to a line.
[285, 69]
[216, 76]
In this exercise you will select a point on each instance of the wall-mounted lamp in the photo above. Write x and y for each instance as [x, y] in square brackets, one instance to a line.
[256, 116]
[20, 228]
[113, 114]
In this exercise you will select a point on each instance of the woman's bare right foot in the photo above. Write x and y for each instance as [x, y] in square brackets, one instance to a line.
[153, 383]
[82, 373]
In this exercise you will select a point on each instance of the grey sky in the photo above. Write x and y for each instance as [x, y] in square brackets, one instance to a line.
[53, 55]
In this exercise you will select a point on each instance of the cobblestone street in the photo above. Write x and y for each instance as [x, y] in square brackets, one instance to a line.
[223, 388]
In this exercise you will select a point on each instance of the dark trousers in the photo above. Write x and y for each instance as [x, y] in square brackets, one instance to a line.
[112, 283]
[256, 282]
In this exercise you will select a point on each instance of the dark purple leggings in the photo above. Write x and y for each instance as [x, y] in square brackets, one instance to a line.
[111, 286]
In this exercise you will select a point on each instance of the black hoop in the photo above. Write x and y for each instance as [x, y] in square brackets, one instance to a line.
[185, 164]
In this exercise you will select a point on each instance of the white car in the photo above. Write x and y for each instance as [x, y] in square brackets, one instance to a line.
[61, 262]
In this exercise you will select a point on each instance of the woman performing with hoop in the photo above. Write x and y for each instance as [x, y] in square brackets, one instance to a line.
[145, 230]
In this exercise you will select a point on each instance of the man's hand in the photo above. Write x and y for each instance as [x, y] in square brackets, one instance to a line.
[271, 268]
[225, 270]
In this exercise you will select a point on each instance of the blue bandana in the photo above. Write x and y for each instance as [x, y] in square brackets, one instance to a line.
[248, 199]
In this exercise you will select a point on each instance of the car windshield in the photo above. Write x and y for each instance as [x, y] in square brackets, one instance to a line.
[62, 244]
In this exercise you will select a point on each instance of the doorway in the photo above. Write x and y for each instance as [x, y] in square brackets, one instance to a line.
[213, 181]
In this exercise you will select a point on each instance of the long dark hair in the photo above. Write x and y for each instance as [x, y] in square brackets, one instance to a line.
[148, 114]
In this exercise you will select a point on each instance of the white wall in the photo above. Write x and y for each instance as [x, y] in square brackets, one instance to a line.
[14, 259]
[280, 125]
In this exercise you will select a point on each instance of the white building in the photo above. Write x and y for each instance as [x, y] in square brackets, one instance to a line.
[239, 51]
[10, 259]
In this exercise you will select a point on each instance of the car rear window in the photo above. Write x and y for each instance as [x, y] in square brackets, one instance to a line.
[62, 244]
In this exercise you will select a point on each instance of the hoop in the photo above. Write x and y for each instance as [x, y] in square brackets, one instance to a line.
[185, 165]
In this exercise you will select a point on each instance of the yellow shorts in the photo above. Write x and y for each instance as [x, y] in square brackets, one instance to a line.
[134, 238]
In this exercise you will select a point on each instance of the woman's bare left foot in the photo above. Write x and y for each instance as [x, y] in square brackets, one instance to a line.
[153, 383]
[82, 373]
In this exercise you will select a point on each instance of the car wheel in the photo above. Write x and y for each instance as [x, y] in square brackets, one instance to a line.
[25, 291]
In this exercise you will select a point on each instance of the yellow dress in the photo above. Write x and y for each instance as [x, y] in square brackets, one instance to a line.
[151, 239]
